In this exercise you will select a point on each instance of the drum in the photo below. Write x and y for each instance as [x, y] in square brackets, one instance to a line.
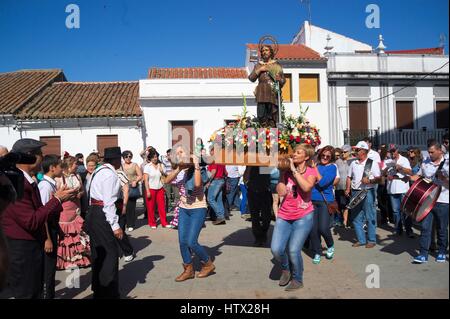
[420, 199]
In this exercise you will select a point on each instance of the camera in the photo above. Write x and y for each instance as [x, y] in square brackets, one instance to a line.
[10, 192]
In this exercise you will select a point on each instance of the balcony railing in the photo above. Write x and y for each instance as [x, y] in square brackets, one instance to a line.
[351, 137]
[417, 138]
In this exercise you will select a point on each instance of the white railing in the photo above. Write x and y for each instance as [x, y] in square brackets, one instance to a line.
[418, 138]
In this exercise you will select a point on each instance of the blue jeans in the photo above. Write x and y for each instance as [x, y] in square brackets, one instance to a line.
[215, 200]
[365, 212]
[233, 195]
[400, 219]
[190, 222]
[321, 227]
[244, 204]
[287, 243]
[440, 212]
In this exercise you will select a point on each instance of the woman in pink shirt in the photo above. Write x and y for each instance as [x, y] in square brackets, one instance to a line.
[295, 217]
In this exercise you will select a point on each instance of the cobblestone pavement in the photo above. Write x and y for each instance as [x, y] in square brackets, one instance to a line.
[245, 271]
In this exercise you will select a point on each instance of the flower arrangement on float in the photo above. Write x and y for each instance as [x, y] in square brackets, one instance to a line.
[245, 133]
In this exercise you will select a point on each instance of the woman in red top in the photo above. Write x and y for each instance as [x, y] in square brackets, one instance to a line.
[295, 217]
[215, 190]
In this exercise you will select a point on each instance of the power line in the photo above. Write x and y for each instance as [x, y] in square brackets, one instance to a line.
[410, 83]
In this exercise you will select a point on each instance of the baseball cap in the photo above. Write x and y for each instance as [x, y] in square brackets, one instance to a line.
[362, 145]
[26, 145]
[347, 148]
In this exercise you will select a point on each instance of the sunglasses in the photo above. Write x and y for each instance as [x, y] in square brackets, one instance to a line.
[128, 156]
[325, 156]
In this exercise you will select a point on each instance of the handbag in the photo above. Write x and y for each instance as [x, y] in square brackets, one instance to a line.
[134, 192]
[332, 207]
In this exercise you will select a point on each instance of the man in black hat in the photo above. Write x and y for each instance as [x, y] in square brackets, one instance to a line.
[102, 225]
[23, 224]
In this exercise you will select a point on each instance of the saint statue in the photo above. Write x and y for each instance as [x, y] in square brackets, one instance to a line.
[268, 91]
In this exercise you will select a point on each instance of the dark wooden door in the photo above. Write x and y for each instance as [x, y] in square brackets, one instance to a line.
[404, 113]
[105, 141]
[358, 113]
[53, 145]
[442, 114]
[183, 132]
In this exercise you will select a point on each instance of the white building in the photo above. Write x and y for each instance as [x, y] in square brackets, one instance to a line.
[189, 103]
[202, 100]
[395, 96]
[69, 116]
[351, 90]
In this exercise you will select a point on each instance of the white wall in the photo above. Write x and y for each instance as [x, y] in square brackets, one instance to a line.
[76, 140]
[316, 38]
[207, 117]
[8, 136]
[318, 112]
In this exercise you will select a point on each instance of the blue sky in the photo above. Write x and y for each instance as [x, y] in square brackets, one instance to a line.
[120, 39]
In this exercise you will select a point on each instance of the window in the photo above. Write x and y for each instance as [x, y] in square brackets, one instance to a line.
[53, 145]
[286, 90]
[309, 88]
[404, 112]
[442, 114]
[105, 141]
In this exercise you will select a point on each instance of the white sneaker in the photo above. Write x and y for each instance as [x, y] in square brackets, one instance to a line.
[153, 227]
[128, 258]
[168, 226]
[130, 229]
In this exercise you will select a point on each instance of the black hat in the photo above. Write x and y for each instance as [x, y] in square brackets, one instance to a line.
[26, 145]
[112, 152]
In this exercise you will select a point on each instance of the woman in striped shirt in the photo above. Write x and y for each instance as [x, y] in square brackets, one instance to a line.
[192, 215]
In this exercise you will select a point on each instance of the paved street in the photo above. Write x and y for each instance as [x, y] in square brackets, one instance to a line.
[244, 271]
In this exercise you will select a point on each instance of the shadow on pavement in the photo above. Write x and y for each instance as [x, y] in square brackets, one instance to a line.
[139, 243]
[136, 272]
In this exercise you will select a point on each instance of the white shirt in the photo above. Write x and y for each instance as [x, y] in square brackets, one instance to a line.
[428, 170]
[356, 170]
[374, 156]
[397, 186]
[28, 177]
[47, 187]
[241, 174]
[232, 171]
[105, 187]
[154, 175]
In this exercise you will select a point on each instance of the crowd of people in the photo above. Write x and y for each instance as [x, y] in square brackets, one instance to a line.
[78, 213]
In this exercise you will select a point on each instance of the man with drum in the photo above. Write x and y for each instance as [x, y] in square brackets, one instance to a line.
[435, 168]
[397, 170]
[364, 174]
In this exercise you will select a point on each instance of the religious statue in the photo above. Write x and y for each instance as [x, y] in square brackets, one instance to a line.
[270, 81]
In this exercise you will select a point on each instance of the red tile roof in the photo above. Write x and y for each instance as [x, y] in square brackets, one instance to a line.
[293, 52]
[84, 99]
[19, 87]
[436, 51]
[197, 73]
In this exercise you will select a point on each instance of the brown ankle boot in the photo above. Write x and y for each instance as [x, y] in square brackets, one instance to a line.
[188, 273]
[207, 269]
